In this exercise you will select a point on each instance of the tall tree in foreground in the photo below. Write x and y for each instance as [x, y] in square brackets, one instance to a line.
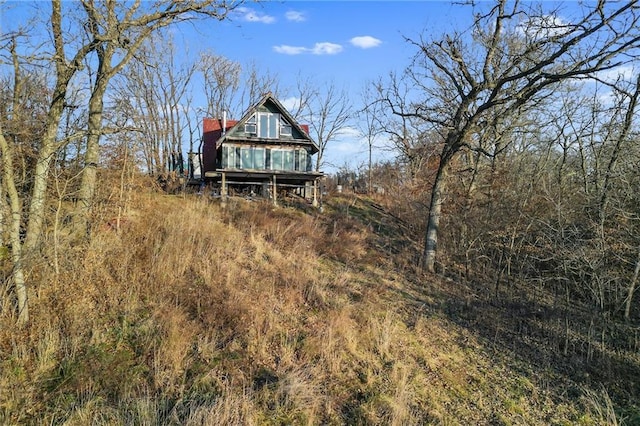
[47, 144]
[115, 32]
[513, 55]
[10, 188]
[119, 30]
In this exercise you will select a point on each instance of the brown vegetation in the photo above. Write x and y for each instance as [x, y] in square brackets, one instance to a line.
[195, 314]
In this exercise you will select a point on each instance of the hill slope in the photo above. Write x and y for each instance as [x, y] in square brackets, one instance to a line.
[197, 314]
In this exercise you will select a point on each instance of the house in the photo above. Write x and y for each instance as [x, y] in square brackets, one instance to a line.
[264, 153]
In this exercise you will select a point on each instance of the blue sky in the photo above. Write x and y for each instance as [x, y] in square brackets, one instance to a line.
[349, 43]
[345, 42]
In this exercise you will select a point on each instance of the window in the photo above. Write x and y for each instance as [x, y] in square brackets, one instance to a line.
[250, 126]
[259, 158]
[252, 158]
[285, 127]
[268, 125]
[247, 159]
[283, 159]
[276, 159]
[288, 160]
[301, 160]
[228, 157]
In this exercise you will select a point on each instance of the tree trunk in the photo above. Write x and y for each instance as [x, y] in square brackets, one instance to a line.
[17, 272]
[435, 213]
[49, 145]
[46, 154]
[370, 183]
[92, 154]
[89, 172]
[632, 288]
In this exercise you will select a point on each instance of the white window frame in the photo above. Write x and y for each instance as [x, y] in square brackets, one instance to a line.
[250, 126]
[285, 127]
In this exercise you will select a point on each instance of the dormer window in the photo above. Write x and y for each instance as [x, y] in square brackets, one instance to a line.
[267, 125]
[250, 126]
[285, 127]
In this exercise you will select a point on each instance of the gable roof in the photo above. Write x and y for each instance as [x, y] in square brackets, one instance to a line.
[268, 97]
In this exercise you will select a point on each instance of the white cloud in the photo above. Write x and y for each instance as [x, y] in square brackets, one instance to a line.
[324, 48]
[291, 104]
[251, 15]
[295, 16]
[350, 132]
[290, 50]
[347, 147]
[365, 42]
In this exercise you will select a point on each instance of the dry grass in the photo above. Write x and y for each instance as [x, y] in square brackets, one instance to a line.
[199, 315]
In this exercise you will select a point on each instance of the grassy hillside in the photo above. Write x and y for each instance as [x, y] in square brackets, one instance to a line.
[195, 314]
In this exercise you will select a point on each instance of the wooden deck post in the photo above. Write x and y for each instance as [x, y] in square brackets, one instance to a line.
[315, 193]
[223, 189]
[275, 191]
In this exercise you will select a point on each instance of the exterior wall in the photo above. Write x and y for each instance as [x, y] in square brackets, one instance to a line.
[211, 132]
[265, 157]
[269, 141]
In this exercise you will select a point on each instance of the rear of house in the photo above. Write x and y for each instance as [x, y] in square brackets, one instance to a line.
[263, 153]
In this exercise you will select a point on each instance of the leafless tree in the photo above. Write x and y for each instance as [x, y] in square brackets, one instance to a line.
[415, 142]
[231, 86]
[221, 82]
[255, 82]
[115, 32]
[513, 56]
[369, 125]
[10, 189]
[118, 31]
[153, 100]
[327, 110]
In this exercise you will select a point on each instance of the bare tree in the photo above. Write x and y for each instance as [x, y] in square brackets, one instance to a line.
[113, 28]
[15, 205]
[230, 86]
[327, 111]
[410, 138]
[512, 56]
[221, 82]
[49, 145]
[255, 83]
[153, 99]
[619, 135]
[119, 30]
[369, 125]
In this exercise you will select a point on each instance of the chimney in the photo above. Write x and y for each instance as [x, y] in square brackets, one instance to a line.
[224, 122]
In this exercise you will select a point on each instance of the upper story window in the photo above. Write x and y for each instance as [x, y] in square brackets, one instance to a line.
[250, 126]
[285, 127]
[268, 125]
